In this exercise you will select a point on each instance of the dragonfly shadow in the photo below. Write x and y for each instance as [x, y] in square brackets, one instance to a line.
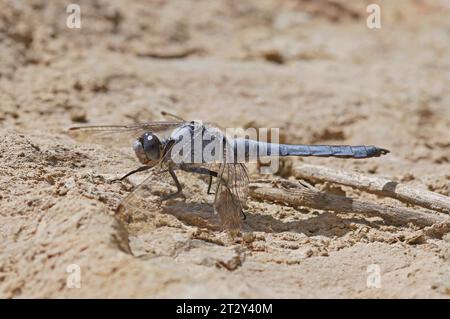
[193, 213]
[325, 224]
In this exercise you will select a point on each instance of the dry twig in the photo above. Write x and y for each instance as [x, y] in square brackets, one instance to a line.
[170, 54]
[308, 197]
[375, 185]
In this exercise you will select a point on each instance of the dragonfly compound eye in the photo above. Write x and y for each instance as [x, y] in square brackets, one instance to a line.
[152, 146]
[139, 151]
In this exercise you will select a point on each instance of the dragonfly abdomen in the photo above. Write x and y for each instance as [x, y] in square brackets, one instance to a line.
[343, 151]
[251, 149]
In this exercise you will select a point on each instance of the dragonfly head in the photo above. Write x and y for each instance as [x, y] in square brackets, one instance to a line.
[148, 148]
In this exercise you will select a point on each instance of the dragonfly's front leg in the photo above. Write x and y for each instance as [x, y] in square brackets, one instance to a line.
[140, 169]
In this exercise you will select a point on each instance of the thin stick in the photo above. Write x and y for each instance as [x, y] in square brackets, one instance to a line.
[376, 185]
[307, 197]
[174, 54]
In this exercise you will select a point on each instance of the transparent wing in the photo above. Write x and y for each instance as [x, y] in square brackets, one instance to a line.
[119, 135]
[231, 194]
[146, 196]
[231, 183]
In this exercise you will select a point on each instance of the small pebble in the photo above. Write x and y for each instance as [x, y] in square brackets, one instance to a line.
[78, 116]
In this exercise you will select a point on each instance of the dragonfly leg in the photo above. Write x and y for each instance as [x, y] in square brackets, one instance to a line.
[244, 216]
[202, 171]
[177, 184]
[211, 174]
[210, 184]
[140, 169]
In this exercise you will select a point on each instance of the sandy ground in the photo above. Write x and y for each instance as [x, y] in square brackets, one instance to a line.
[312, 69]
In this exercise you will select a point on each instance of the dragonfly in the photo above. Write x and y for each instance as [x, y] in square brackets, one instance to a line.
[166, 147]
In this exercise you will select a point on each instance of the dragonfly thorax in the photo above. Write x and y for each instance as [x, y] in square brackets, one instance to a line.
[148, 148]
